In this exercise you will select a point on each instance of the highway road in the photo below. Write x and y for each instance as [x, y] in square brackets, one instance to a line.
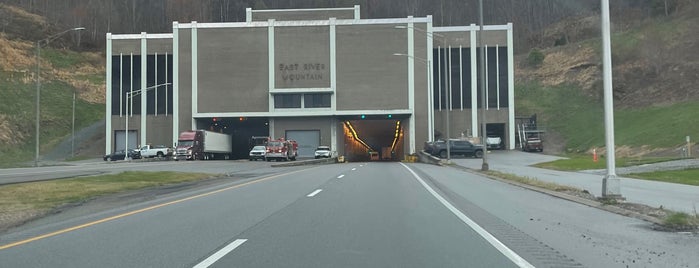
[346, 215]
[92, 167]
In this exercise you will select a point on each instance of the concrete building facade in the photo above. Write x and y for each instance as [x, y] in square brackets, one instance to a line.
[319, 76]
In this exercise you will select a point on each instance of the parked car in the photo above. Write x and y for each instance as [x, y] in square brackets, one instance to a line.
[258, 152]
[429, 147]
[119, 155]
[494, 142]
[456, 147]
[323, 152]
[533, 145]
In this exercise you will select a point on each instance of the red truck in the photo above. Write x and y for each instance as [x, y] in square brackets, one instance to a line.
[281, 149]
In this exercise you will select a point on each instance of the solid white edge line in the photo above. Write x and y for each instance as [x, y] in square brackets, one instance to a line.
[314, 193]
[510, 254]
[340, 177]
[219, 254]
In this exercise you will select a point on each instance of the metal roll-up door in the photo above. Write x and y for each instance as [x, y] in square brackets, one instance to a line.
[308, 141]
[120, 139]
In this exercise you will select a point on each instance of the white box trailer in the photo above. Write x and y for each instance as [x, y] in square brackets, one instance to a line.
[217, 143]
[204, 145]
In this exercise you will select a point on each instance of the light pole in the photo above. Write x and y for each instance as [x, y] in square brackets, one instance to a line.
[72, 138]
[484, 166]
[38, 86]
[431, 108]
[429, 67]
[129, 98]
[429, 80]
[611, 187]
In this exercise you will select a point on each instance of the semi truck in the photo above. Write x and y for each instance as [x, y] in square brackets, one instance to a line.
[203, 145]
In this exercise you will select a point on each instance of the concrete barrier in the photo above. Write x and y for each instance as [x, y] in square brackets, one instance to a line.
[424, 157]
[331, 160]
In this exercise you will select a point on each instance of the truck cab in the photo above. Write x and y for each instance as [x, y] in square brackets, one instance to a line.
[188, 145]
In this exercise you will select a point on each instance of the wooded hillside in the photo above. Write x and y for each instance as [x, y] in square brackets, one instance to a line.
[134, 16]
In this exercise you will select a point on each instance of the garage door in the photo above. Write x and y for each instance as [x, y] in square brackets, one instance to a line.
[308, 141]
[120, 139]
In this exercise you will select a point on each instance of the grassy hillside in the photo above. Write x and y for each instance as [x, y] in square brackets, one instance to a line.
[655, 72]
[579, 119]
[62, 73]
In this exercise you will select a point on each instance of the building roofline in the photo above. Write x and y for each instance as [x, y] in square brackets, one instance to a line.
[296, 23]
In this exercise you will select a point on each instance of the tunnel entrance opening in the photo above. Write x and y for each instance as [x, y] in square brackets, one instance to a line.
[241, 129]
[373, 139]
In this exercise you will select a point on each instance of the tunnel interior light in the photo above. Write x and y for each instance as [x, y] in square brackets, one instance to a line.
[396, 136]
[356, 137]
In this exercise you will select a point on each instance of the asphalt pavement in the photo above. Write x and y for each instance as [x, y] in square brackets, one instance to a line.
[344, 215]
[352, 215]
[677, 197]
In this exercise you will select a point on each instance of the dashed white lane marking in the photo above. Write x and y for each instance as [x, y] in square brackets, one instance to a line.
[219, 254]
[340, 177]
[314, 193]
[354, 168]
[510, 254]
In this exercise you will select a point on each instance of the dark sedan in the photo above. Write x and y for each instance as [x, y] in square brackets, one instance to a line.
[119, 155]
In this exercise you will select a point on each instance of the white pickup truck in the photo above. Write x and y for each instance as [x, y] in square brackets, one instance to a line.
[155, 151]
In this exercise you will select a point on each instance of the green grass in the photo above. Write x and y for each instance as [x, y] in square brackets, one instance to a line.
[62, 59]
[686, 176]
[566, 110]
[576, 162]
[531, 181]
[95, 79]
[680, 219]
[584, 162]
[580, 119]
[47, 195]
[657, 126]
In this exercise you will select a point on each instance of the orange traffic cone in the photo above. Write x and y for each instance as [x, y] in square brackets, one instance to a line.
[594, 155]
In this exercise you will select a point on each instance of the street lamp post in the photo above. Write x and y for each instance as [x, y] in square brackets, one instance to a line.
[484, 166]
[129, 98]
[38, 86]
[429, 75]
[611, 187]
[429, 67]
[72, 137]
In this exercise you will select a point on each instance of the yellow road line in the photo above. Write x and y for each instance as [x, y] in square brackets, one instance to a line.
[22, 242]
